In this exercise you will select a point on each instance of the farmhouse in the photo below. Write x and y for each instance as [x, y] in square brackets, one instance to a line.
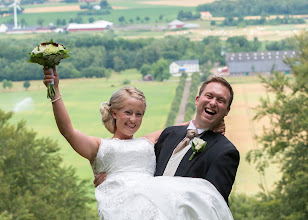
[248, 63]
[205, 15]
[95, 26]
[187, 66]
[4, 27]
[176, 24]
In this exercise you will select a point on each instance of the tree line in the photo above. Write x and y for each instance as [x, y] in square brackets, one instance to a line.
[253, 8]
[99, 56]
[284, 143]
[241, 22]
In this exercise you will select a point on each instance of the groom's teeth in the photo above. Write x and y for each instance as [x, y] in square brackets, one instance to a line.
[210, 111]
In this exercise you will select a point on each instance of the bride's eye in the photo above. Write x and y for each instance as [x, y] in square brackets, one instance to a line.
[128, 112]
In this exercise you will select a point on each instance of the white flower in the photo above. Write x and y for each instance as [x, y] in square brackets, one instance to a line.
[198, 142]
[38, 49]
[52, 49]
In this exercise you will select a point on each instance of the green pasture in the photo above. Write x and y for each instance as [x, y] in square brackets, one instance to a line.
[131, 10]
[83, 97]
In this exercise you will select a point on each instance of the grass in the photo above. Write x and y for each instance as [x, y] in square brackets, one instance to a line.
[131, 10]
[83, 96]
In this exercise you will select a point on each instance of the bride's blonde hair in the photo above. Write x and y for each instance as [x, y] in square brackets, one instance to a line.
[116, 103]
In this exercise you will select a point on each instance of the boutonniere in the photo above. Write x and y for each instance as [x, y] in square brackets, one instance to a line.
[197, 145]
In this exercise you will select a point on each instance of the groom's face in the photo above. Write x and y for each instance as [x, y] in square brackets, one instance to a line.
[212, 105]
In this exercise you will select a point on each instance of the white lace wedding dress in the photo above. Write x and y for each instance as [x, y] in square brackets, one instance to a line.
[131, 192]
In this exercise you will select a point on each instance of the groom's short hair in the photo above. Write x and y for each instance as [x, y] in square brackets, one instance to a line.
[220, 80]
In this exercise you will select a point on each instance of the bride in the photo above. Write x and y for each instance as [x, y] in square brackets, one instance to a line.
[131, 191]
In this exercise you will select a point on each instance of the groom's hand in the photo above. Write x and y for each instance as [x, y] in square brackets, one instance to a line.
[99, 178]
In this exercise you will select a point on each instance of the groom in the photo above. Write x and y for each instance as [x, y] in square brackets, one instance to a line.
[219, 161]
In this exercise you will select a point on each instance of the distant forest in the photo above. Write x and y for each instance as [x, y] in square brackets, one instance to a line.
[98, 56]
[240, 8]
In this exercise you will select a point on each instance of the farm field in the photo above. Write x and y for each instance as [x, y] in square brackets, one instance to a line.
[83, 96]
[160, 13]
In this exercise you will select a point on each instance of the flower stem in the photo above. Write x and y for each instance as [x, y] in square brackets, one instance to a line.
[192, 156]
[51, 92]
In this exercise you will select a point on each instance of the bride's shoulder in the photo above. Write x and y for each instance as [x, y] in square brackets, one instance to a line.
[146, 140]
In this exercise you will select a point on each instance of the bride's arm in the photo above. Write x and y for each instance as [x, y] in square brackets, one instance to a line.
[153, 137]
[84, 145]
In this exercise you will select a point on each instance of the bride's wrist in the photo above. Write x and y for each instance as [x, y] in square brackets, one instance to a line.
[57, 98]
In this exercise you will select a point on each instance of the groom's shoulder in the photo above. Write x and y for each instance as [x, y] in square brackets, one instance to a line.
[174, 128]
[223, 141]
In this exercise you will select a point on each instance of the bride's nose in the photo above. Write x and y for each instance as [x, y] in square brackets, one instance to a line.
[132, 118]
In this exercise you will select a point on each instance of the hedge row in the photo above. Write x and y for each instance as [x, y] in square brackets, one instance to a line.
[190, 105]
[176, 101]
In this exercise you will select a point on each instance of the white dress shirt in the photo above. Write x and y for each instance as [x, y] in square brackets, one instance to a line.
[175, 159]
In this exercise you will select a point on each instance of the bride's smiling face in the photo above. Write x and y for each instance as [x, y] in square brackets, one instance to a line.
[128, 118]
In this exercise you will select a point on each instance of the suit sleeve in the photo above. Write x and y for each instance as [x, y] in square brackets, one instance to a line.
[160, 140]
[223, 170]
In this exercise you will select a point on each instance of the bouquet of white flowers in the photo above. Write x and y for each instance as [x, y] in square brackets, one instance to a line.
[49, 54]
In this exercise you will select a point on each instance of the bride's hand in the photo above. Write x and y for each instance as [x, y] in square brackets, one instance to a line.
[48, 77]
[220, 128]
[99, 178]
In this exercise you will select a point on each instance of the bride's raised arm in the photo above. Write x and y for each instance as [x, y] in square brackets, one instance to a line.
[86, 146]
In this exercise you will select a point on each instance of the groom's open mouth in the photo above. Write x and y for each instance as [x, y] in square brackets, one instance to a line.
[210, 111]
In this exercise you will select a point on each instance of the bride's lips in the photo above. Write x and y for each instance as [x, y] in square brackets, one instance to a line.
[131, 126]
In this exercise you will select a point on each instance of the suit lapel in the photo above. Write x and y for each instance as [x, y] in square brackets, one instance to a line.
[185, 164]
[168, 146]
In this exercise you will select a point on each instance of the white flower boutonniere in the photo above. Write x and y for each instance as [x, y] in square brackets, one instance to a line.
[197, 145]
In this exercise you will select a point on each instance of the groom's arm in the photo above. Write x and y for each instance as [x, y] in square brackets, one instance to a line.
[161, 139]
[99, 178]
[222, 171]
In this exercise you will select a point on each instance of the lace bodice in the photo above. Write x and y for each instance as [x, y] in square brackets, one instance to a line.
[121, 156]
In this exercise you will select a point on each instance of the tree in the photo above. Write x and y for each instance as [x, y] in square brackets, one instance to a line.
[104, 4]
[285, 141]
[91, 20]
[161, 70]
[23, 22]
[33, 182]
[121, 19]
[147, 18]
[26, 84]
[145, 69]
[40, 21]
[7, 84]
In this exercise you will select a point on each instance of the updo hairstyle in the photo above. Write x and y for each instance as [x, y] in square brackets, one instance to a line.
[116, 103]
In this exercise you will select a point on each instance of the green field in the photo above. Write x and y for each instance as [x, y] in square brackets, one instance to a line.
[130, 10]
[83, 97]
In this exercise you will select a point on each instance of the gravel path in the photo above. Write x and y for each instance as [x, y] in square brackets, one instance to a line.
[180, 118]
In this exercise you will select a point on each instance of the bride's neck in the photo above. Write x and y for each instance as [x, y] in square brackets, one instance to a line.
[122, 137]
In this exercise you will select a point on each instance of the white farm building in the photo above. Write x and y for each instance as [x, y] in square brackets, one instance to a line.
[95, 26]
